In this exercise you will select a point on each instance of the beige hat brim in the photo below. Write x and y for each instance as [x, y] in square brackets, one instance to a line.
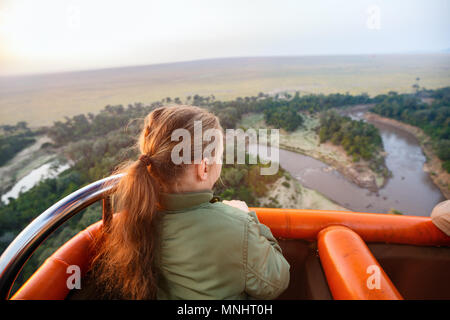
[440, 216]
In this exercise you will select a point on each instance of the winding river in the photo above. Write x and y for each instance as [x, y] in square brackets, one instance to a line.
[410, 190]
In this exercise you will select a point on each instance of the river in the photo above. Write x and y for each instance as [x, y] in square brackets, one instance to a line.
[47, 170]
[410, 190]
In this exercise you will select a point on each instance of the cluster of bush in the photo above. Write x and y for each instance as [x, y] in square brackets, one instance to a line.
[360, 139]
[13, 139]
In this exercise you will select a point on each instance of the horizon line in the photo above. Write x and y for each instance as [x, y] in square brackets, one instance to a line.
[32, 74]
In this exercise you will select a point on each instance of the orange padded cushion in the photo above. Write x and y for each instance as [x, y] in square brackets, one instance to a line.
[49, 281]
[348, 265]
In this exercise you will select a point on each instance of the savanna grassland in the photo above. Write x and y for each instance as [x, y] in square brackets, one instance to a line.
[42, 99]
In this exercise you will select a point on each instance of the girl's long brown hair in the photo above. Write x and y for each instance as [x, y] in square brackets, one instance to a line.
[124, 266]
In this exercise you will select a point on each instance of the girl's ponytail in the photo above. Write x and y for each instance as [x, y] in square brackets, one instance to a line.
[125, 265]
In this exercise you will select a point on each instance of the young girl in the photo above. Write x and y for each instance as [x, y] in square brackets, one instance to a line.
[169, 239]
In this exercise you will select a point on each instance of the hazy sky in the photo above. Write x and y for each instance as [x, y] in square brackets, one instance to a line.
[58, 35]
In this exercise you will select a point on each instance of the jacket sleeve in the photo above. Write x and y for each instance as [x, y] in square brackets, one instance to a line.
[267, 271]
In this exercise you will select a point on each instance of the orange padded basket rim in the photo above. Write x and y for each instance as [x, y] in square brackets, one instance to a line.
[372, 227]
[49, 281]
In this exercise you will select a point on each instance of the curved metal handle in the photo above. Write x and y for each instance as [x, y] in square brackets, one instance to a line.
[20, 250]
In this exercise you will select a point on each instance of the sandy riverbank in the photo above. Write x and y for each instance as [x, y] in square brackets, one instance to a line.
[26, 161]
[433, 164]
[305, 140]
[288, 193]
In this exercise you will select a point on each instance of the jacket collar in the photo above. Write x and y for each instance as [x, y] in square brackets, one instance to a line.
[181, 201]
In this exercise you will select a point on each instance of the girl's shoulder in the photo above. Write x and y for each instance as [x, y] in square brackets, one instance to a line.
[227, 211]
[216, 213]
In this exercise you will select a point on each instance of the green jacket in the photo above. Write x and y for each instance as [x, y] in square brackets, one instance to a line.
[214, 251]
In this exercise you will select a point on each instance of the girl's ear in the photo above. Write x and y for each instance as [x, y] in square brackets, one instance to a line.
[202, 169]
